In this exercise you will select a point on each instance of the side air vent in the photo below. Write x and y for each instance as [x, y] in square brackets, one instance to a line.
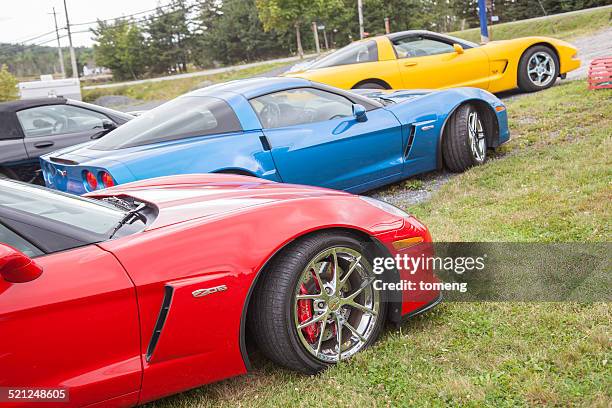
[161, 320]
[63, 161]
[265, 143]
[410, 140]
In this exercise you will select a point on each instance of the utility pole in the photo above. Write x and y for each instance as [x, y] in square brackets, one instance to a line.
[75, 70]
[360, 11]
[59, 46]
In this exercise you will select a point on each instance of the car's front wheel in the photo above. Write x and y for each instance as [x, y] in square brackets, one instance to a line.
[317, 304]
[465, 140]
[538, 69]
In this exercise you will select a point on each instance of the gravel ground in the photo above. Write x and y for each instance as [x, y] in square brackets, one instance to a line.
[419, 188]
[412, 191]
[590, 47]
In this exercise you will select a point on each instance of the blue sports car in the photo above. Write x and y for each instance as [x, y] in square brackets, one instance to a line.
[291, 130]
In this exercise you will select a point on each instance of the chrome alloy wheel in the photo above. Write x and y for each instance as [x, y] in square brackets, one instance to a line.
[541, 69]
[476, 135]
[335, 304]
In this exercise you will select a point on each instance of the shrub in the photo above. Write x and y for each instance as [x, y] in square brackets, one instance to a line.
[8, 85]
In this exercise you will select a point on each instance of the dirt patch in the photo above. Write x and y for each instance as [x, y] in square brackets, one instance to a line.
[414, 190]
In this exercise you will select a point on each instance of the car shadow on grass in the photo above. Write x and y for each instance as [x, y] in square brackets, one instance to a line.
[265, 374]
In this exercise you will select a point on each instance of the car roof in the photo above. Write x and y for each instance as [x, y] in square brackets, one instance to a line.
[400, 34]
[14, 106]
[252, 87]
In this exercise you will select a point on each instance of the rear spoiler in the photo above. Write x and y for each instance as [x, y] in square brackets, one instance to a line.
[63, 161]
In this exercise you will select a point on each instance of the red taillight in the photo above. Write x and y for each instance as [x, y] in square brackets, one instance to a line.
[107, 180]
[91, 180]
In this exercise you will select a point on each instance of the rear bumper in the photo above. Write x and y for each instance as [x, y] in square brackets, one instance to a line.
[69, 178]
[504, 130]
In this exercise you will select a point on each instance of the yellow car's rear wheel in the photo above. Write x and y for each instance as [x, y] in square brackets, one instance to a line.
[372, 84]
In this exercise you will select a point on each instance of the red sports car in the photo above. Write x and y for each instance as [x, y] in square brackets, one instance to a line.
[151, 288]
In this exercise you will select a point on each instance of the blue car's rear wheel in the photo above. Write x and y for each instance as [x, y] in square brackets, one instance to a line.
[465, 141]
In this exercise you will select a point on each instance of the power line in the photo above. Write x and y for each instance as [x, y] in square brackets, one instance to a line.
[39, 44]
[125, 16]
[37, 37]
[21, 44]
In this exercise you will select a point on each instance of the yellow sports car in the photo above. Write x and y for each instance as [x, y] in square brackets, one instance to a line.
[423, 59]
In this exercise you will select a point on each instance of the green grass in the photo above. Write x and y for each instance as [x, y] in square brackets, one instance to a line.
[166, 90]
[550, 183]
[558, 26]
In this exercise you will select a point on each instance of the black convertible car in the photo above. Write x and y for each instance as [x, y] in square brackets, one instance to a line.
[30, 128]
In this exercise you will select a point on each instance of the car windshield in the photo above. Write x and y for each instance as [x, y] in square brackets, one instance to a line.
[354, 53]
[183, 117]
[85, 214]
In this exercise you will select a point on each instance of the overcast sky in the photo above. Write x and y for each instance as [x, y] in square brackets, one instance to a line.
[24, 19]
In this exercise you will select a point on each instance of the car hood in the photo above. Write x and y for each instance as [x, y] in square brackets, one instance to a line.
[183, 198]
[397, 95]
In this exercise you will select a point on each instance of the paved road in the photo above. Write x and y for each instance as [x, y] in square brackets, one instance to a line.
[204, 73]
[590, 47]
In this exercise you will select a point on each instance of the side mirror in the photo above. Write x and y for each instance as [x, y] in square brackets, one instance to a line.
[458, 49]
[109, 125]
[16, 267]
[359, 112]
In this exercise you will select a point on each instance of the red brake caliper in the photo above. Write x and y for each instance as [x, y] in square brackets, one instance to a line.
[305, 314]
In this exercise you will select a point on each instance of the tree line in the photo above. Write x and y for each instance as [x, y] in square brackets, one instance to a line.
[208, 33]
[30, 61]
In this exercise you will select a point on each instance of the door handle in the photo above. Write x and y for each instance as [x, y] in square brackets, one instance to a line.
[42, 145]
[410, 64]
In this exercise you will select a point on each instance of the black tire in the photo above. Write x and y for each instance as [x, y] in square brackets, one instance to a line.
[457, 148]
[529, 82]
[272, 317]
[370, 85]
[8, 174]
[235, 173]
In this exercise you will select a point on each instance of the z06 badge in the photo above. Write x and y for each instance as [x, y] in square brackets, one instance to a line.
[208, 291]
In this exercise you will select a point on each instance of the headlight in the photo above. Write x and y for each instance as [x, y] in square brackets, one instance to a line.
[381, 205]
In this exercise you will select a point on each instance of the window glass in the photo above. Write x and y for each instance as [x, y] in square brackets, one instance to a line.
[8, 237]
[83, 213]
[300, 106]
[180, 118]
[354, 53]
[420, 47]
[59, 119]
